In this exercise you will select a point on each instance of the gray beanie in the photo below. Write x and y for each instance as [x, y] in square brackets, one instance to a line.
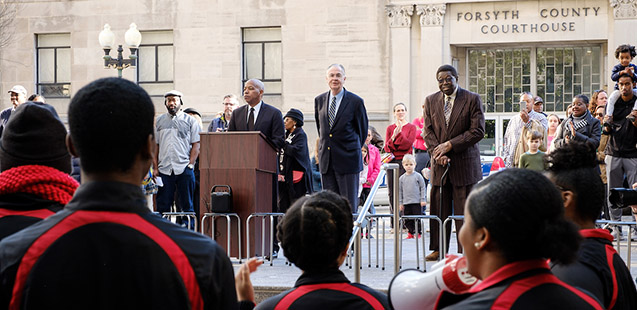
[34, 136]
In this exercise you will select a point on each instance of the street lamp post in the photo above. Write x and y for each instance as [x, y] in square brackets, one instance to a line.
[107, 40]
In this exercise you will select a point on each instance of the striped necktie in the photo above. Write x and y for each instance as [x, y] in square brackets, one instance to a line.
[332, 112]
[448, 106]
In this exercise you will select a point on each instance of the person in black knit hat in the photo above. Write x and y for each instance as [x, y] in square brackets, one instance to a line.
[35, 165]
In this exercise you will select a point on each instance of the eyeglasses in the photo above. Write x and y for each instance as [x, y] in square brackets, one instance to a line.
[448, 79]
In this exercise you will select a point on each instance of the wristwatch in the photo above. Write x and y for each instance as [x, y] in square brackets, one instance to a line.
[191, 166]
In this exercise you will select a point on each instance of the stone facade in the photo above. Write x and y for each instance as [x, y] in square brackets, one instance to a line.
[390, 49]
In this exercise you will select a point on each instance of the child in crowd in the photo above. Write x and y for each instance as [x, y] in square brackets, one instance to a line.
[533, 159]
[625, 54]
[411, 195]
[362, 179]
[362, 176]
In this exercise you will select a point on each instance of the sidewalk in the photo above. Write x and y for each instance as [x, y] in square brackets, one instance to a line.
[269, 280]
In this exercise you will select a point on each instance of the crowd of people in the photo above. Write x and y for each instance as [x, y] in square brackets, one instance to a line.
[529, 237]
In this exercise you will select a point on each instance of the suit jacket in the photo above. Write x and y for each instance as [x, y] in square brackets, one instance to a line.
[340, 146]
[269, 122]
[466, 129]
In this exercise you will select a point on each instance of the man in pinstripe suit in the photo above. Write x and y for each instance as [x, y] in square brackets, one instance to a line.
[454, 124]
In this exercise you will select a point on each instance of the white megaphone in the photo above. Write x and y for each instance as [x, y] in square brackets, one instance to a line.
[414, 289]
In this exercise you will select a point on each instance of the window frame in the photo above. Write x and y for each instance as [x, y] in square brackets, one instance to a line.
[55, 49]
[262, 78]
[155, 46]
[533, 67]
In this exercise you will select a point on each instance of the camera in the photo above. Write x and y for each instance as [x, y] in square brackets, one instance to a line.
[622, 197]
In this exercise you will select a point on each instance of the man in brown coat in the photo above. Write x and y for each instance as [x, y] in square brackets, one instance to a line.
[454, 124]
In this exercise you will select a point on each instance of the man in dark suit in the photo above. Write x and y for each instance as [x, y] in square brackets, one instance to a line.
[257, 115]
[454, 124]
[341, 121]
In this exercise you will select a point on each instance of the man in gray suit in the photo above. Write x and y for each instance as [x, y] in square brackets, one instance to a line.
[341, 122]
[454, 124]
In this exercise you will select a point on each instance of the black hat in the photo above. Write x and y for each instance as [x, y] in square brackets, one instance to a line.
[192, 111]
[34, 136]
[296, 115]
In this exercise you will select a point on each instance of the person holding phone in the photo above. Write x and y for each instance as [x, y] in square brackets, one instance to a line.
[527, 118]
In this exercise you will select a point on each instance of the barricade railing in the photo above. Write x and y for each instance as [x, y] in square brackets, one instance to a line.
[191, 218]
[228, 216]
[375, 220]
[263, 216]
[618, 246]
[355, 239]
[444, 232]
[419, 220]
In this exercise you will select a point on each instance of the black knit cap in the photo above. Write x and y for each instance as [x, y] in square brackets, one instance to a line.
[297, 115]
[34, 136]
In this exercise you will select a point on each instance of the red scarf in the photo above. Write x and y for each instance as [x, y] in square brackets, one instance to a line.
[45, 182]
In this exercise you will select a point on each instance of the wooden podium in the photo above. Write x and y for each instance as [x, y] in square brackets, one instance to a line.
[245, 160]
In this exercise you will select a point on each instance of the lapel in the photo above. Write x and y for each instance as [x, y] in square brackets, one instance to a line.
[260, 117]
[242, 116]
[458, 106]
[439, 115]
[324, 107]
[341, 108]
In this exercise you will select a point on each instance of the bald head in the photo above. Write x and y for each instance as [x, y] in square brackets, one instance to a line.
[253, 92]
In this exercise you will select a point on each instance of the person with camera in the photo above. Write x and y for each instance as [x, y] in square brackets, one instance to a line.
[621, 153]
[598, 268]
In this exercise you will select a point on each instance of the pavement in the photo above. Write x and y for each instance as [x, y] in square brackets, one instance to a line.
[376, 273]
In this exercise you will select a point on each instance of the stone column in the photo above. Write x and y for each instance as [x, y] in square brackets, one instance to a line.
[400, 54]
[625, 21]
[434, 51]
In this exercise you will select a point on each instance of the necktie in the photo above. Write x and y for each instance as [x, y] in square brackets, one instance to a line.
[448, 106]
[251, 120]
[332, 111]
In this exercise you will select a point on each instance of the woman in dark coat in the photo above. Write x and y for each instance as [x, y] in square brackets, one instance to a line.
[580, 126]
[295, 178]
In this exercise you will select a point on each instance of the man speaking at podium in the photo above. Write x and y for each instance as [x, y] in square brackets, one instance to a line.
[260, 116]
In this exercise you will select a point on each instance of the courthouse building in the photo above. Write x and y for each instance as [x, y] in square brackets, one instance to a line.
[390, 49]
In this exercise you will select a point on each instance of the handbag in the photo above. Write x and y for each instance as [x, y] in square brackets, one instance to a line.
[297, 176]
[387, 157]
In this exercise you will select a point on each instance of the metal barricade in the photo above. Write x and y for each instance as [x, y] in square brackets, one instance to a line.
[354, 240]
[191, 217]
[419, 219]
[618, 240]
[228, 217]
[444, 232]
[374, 220]
[263, 217]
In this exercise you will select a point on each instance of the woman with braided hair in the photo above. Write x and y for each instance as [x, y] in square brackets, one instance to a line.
[514, 221]
[314, 235]
[598, 268]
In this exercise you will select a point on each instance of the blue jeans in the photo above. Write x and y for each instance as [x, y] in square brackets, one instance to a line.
[184, 184]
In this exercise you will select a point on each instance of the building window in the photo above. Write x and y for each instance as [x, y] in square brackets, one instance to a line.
[499, 76]
[262, 57]
[565, 72]
[555, 74]
[54, 65]
[155, 65]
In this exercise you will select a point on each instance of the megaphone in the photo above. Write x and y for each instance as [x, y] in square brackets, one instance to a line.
[415, 289]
